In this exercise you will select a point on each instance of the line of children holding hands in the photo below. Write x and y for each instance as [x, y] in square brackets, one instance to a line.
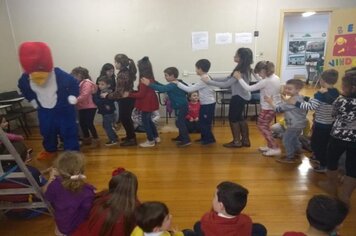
[118, 211]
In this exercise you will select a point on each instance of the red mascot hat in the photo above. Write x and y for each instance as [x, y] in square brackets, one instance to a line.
[35, 57]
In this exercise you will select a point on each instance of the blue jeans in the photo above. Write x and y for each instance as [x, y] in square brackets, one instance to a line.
[291, 141]
[108, 121]
[206, 115]
[181, 113]
[150, 127]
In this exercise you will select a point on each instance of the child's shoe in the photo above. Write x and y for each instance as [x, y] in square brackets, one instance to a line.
[128, 142]
[263, 149]
[183, 144]
[96, 142]
[272, 152]
[176, 139]
[87, 141]
[320, 169]
[110, 143]
[157, 139]
[286, 160]
[44, 155]
[148, 143]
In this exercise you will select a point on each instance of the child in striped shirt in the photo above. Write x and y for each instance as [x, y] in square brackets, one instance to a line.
[322, 103]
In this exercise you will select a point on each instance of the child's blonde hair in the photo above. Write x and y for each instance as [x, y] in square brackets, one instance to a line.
[70, 166]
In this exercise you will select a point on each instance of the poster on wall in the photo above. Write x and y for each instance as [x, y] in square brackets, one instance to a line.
[305, 46]
[200, 40]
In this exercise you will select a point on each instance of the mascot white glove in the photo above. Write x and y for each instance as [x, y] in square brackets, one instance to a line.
[72, 100]
[34, 103]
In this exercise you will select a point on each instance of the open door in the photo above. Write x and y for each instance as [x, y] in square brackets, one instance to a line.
[341, 47]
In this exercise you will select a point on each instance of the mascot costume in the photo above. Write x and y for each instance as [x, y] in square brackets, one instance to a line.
[53, 92]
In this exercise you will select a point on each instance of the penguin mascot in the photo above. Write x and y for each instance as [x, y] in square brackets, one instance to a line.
[53, 92]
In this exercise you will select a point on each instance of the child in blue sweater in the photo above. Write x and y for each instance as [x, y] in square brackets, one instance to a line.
[178, 100]
[106, 108]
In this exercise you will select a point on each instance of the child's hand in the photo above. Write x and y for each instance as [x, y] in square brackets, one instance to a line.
[237, 75]
[268, 99]
[175, 81]
[191, 119]
[125, 94]
[145, 81]
[103, 95]
[107, 107]
[323, 90]
[197, 119]
[205, 79]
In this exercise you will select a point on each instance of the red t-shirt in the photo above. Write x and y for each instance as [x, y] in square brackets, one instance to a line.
[146, 98]
[212, 225]
[193, 110]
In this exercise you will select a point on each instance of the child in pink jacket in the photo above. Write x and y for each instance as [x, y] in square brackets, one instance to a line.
[86, 107]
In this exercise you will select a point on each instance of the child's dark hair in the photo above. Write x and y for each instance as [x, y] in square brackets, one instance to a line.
[121, 201]
[233, 196]
[325, 213]
[349, 82]
[151, 215]
[70, 166]
[106, 67]
[104, 79]
[172, 71]
[246, 59]
[190, 94]
[145, 68]
[203, 64]
[127, 64]
[82, 72]
[330, 76]
[265, 65]
[297, 83]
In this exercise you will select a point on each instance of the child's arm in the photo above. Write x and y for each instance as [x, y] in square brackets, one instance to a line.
[85, 92]
[157, 86]
[222, 84]
[191, 88]
[14, 137]
[258, 86]
[141, 93]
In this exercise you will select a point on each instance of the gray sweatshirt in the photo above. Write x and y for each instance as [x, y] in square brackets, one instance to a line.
[236, 88]
[294, 117]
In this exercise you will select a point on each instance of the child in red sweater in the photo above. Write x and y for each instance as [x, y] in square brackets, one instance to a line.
[146, 102]
[192, 118]
[226, 218]
[325, 216]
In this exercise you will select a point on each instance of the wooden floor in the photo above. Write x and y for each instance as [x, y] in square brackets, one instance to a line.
[185, 179]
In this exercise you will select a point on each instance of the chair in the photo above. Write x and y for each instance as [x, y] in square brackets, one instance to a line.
[223, 101]
[255, 100]
[15, 99]
[161, 102]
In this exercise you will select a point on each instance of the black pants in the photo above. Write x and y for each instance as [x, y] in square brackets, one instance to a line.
[236, 109]
[336, 148]
[319, 143]
[257, 229]
[126, 105]
[86, 122]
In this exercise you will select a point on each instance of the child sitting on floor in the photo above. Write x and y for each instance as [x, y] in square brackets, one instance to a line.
[192, 118]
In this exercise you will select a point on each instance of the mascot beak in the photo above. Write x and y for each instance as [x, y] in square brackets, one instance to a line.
[39, 78]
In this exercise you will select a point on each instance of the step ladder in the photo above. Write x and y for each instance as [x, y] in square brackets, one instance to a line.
[10, 175]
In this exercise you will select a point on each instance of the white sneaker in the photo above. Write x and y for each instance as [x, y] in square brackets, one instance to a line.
[263, 149]
[272, 152]
[158, 140]
[148, 144]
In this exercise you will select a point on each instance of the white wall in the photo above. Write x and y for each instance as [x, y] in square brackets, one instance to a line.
[298, 24]
[90, 32]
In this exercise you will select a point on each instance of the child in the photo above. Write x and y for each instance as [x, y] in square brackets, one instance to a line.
[178, 101]
[86, 107]
[106, 108]
[147, 102]
[137, 120]
[207, 101]
[295, 119]
[192, 118]
[153, 218]
[108, 70]
[325, 216]
[343, 139]
[268, 86]
[226, 218]
[124, 83]
[113, 212]
[323, 122]
[70, 197]
[240, 97]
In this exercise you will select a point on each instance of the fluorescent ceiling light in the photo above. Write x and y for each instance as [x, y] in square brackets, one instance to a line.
[308, 13]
